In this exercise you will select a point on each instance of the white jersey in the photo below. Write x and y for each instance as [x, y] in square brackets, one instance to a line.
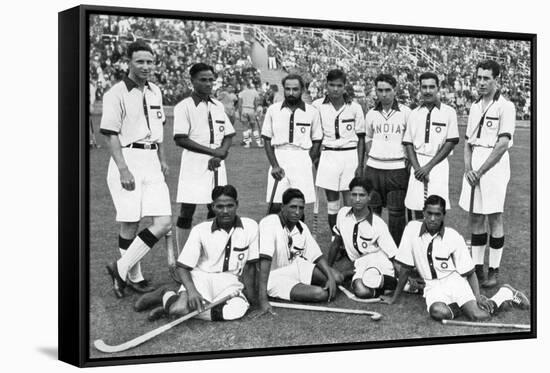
[340, 127]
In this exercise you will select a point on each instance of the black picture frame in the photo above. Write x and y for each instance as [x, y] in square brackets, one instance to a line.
[74, 185]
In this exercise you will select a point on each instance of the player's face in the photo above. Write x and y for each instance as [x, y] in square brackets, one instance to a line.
[141, 65]
[293, 91]
[335, 89]
[433, 217]
[359, 198]
[294, 210]
[486, 83]
[203, 82]
[385, 93]
[225, 209]
[429, 90]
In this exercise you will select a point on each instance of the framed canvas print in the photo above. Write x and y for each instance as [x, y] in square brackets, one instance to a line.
[234, 186]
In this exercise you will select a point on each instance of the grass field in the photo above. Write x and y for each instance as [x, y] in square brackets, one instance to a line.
[115, 321]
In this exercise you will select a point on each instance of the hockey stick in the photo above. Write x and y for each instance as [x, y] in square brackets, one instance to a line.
[316, 214]
[103, 347]
[486, 324]
[425, 190]
[270, 205]
[373, 315]
[215, 177]
[352, 296]
[172, 256]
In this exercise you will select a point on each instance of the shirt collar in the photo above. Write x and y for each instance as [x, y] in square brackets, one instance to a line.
[394, 106]
[236, 224]
[437, 105]
[424, 229]
[347, 100]
[197, 99]
[496, 96]
[130, 84]
[298, 224]
[367, 218]
[301, 105]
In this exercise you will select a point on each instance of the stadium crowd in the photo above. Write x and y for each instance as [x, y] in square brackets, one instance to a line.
[310, 53]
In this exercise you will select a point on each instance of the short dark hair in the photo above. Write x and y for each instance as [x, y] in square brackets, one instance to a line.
[292, 193]
[489, 65]
[294, 77]
[336, 74]
[198, 67]
[387, 78]
[361, 182]
[433, 200]
[429, 75]
[137, 46]
[226, 190]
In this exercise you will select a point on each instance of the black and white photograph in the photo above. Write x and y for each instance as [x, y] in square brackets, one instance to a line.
[260, 186]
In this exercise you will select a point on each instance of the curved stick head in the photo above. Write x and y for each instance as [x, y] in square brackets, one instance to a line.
[376, 316]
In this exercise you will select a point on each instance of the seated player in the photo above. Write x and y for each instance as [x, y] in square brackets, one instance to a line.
[442, 258]
[367, 243]
[292, 266]
[215, 255]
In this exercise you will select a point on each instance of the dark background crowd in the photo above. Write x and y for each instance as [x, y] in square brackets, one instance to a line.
[311, 52]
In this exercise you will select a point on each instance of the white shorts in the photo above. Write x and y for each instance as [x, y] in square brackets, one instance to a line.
[213, 286]
[451, 289]
[196, 181]
[377, 260]
[438, 184]
[150, 196]
[336, 169]
[298, 174]
[282, 280]
[490, 194]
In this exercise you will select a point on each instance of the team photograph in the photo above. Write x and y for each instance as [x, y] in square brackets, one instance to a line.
[259, 187]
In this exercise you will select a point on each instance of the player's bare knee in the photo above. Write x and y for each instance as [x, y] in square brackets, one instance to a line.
[478, 314]
[318, 294]
[361, 291]
[440, 311]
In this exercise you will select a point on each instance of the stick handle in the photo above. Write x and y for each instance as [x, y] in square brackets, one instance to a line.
[486, 324]
[216, 177]
[322, 308]
[472, 195]
[103, 347]
[425, 190]
[275, 184]
[352, 296]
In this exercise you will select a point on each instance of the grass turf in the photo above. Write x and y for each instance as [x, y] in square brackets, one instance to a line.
[115, 321]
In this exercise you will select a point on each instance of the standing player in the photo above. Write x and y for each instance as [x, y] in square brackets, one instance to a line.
[386, 163]
[343, 143]
[228, 98]
[217, 260]
[292, 266]
[292, 136]
[204, 131]
[442, 258]
[249, 100]
[491, 125]
[132, 120]
[367, 242]
[431, 135]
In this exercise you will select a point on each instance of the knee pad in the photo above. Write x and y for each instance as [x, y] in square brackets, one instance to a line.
[333, 207]
[375, 200]
[396, 203]
[233, 309]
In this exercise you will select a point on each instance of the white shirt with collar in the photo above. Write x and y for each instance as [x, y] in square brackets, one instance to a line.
[363, 237]
[203, 121]
[340, 127]
[282, 245]
[132, 114]
[296, 128]
[428, 129]
[435, 257]
[214, 250]
[498, 119]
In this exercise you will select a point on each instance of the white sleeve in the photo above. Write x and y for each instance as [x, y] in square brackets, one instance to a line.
[461, 256]
[182, 124]
[385, 240]
[112, 113]
[312, 250]
[189, 256]
[316, 128]
[267, 127]
[405, 253]
[359, 120]
[253, 248]
[369, 130]
[507, 120]
[267, 239]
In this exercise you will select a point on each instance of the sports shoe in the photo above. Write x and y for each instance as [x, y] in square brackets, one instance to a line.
[141, 287]
[157, 313]
[519, 299]
[246, 146]
[492, 278]
[480, 273]
[118, 283]
[151, 299]
[260, 143]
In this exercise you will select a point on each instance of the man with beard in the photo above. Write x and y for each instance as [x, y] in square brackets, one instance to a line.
[431, 135]
[292, 136]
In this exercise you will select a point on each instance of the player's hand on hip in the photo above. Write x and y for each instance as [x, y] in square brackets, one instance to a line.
[214, 163]
[473, 177]
[127, 179]
[278, 173]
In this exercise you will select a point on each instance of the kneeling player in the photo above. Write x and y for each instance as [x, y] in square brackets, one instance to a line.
[442, 259]
[292, 266]
[215, 255]
[367, 242]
